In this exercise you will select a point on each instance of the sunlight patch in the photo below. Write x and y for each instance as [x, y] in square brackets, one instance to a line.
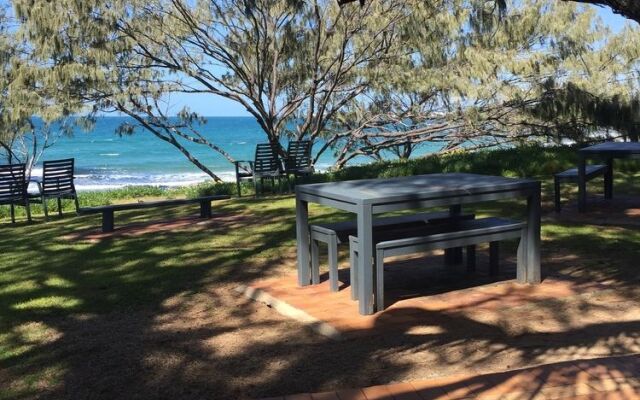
[58, 282]
[25, 337]
[18, 287]
[426, 330]
[48, 302]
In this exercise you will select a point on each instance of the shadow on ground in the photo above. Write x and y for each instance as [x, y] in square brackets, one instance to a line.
[155, 316]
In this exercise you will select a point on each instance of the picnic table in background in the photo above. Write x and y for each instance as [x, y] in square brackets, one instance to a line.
[607, 152]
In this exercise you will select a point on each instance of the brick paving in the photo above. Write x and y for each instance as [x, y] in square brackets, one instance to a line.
[611, 378]
[412, 309]
[407, 310]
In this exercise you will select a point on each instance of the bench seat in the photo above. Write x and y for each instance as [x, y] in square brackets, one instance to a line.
[109, 210]
[335, 233]
[571, 175]
[591, 171]
[437, 236]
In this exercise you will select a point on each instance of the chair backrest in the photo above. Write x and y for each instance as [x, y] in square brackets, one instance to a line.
[13, 184]
[299, 154]
[267, 159]
[57, 177]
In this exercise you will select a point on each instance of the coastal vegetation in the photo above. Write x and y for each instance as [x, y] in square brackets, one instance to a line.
[358, 81]
[534, 161]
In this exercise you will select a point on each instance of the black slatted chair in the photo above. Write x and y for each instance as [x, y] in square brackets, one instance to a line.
[57, 183]
[298, 161]
[266, 165]
[13, 188]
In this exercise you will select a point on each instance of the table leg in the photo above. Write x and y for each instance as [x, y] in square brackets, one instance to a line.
[582, 183]
[302, 239]
[608, 180]
[534, 272]
[365, 260]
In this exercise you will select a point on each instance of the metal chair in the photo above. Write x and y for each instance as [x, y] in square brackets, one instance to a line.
[266, 165]
[13, 188]
[298, 161]
[57, 183]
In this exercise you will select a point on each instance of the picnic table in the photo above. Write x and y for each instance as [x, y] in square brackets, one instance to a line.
[606, 151]
[368, 197]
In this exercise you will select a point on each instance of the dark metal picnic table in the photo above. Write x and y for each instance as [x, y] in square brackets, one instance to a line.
[607, 152]
[373, 196]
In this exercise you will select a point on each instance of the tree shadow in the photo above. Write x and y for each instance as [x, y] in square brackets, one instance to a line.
[155, 316]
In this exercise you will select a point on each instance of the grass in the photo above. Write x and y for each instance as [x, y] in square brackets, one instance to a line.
[103, 320]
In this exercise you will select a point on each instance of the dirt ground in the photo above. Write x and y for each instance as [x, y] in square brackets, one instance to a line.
[219, 345]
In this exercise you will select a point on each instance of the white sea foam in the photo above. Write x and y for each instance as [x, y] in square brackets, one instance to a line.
[85, 182]
[110, 154]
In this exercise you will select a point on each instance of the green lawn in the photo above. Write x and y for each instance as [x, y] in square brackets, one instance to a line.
[155, 316]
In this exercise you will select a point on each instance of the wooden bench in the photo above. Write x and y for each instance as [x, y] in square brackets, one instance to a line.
[333, 234]
[108, 211]
[571, 175]
[438, 236]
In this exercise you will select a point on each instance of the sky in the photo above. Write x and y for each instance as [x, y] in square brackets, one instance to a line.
[215, 106]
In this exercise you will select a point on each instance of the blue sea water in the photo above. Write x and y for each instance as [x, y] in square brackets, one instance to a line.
[106, 160]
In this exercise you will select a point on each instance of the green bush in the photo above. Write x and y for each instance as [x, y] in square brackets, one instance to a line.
[209, 189]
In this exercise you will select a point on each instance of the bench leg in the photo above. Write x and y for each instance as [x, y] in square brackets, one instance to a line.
[379, 280]
[315, 263]
[12, 211]
[59, 207]
[205, 209]
[608, 180]
[494, 258]
[457, 255]
[471, 258]
[556, 194]
[353, 275]
[107, 221]
[333, 263]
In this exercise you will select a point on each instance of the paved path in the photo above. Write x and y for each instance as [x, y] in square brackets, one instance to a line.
[609, 378]
[336, 315]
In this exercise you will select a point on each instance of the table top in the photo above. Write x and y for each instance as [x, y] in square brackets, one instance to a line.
[613, 147]
[370, 191]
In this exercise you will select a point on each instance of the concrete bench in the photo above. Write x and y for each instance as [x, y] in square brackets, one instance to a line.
[571, 175]
[333, 234]
[108, 211]
[439, 236]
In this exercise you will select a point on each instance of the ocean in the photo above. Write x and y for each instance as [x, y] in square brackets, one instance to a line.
[105, 160]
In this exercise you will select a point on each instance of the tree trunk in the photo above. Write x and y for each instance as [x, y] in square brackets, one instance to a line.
[627, 8]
